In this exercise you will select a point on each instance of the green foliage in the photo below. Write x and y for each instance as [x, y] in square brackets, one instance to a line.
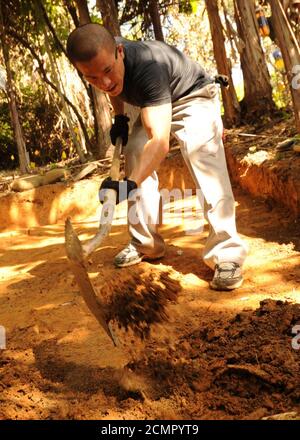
[44, 131]
[188, 6]
[280, 90]
[8, 147]
[185, 25]
[185, 7]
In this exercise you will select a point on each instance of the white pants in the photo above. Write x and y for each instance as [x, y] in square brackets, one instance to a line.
[197, 125]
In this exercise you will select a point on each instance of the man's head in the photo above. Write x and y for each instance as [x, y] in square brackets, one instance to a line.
[94, 52]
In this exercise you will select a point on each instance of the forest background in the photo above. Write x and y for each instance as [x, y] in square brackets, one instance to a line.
[50, 115]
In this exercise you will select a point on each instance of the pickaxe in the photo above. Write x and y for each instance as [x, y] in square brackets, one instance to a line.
[77, 253]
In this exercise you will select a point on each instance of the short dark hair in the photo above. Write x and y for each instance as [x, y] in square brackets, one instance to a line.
[85, 41]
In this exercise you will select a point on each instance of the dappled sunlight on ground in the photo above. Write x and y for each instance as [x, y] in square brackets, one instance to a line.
[60, 363]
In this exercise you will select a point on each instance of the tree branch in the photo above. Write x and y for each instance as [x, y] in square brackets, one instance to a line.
[43, 73]
[51, 28]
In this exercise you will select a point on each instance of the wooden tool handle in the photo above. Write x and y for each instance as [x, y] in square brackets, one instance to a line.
[115, 165]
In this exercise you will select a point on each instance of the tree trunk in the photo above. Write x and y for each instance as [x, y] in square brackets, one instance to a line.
[258, 91]
[100, 103]
[65, 109]
[109, 14]
[230, 101]
[83, 11]
[290, 50]
[154, 13]
[22, 153]
[231, 34]
[72, 11]
[292, 11]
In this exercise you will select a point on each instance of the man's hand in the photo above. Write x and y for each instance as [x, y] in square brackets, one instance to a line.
[122, 188]
[120, 128]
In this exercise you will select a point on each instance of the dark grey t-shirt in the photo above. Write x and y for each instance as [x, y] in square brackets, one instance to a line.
[156, 73]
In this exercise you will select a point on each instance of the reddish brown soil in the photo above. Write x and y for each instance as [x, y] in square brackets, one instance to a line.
[218, 356]
[257, 166]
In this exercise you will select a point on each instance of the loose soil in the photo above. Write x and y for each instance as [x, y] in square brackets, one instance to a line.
[257, 165]
[214, 355]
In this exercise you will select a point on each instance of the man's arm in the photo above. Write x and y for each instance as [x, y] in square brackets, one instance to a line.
[157, 123]
[118, 105]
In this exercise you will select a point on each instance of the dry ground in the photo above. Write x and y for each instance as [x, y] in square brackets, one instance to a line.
[219, 356]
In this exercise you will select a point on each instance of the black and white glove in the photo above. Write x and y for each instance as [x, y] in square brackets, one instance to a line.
[223, 80]
[123, 188]
[120, 129]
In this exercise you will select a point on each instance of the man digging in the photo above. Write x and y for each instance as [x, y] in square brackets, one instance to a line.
[175, 96]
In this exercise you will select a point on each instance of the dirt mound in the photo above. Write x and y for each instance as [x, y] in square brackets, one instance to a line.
[140, 298]
[240, 366]
[243, 367]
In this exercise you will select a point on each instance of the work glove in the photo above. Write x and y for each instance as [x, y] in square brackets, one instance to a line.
[223, 80]
[119, 129]
[122, 188]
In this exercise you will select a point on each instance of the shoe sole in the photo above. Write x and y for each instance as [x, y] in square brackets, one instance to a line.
[130, 263]
[226, 288]
[137, 261]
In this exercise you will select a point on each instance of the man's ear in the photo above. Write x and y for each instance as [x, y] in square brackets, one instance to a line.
[120, 49]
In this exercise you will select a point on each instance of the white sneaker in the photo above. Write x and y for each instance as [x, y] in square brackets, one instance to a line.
[227, 276]
[130, 256]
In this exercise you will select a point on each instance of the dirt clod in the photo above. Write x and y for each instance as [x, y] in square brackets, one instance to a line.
[140, 299]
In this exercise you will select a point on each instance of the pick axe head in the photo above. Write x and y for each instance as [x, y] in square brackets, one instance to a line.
[75, 256]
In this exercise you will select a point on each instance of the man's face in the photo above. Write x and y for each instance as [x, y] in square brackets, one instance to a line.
[105, 71]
